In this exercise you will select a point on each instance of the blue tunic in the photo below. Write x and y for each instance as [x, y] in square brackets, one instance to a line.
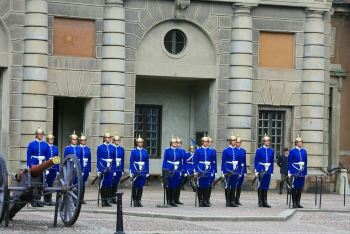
[72, 149]
[118, 165]
[37, 148]
[172, 161]
[264, 155]
[105, 152]
[188, 163]
[296, 158]
[139, 156]
[85, 154]
[204, 164]
[53, 171]
[243, 167]
[229, 155]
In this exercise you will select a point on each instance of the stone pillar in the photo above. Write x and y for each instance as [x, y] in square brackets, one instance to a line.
[35, 75]
[113, 68]
[241, 73]
[313, 89]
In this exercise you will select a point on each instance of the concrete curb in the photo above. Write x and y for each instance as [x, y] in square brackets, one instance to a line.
[283, 216]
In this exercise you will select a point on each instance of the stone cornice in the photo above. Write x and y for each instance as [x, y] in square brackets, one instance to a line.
[324, 5]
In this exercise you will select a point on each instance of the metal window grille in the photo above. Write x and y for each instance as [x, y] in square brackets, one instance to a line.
[272, 123]
[148, 125]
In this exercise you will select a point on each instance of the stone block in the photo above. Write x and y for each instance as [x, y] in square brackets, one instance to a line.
[222, 9]
[240, 97]
[117, 78]
[312, 112]
[146, 20]
[135, 28]
[239, 109]
[14, 19]
[135, 4]
[113, 39]
[211, 24]
[131, 15]
[191, 11]
[314, 26]
[15, 112]
[312, 124]
[35, 87]
[30, 100]
[132, 41]
[36, 7]
[17, 32]
[238, 122]
[314, 51]
[313, 39]
[35, 60]
[242, 22]
[225, 21]
[35, 73]
[113, 52]
[5, 7]
[278, 25]
[112, 104]
[17, 46]
[112, 117]
[114, 26]
[17, 59]
[312, 136]
[34, 114]
[241, 60]
[36, 20]
[312, 99]
[241, 47]
[243, 72]
[35, 47]
[29, 127]
[117, 65]
[114, 13]
[313, 75]
[242, 34]
[115, 91]
[313, 63]
[313, 87]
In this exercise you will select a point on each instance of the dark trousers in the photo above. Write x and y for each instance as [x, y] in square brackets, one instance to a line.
[282, 181]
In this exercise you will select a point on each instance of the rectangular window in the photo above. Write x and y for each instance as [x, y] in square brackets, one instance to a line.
[276, 50]
[74, 37]
[272, 123]
[148, 126]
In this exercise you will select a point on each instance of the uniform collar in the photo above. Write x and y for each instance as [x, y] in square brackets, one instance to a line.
[266, 147]
[106, 143]
[204, 147]
[82, 145]
[173, 147]
[36, 139]
[50, 145]
[297, 147]
[73, 145]
[232, 146]
[139, 148]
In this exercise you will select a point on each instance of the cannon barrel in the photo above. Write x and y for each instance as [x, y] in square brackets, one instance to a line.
[38, 170]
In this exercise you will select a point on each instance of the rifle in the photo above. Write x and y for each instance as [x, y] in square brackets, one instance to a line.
[217, 181]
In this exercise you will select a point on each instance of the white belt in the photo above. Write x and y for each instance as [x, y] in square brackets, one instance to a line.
[40, 158]
[207, 164]
[176, 164]
[266, 165]
[140, 165]
[108, 161]
[234, 163]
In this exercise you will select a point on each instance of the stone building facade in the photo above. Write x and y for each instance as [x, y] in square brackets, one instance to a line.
[164, 67]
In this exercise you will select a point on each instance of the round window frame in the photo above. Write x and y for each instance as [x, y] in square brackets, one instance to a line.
[184, 50]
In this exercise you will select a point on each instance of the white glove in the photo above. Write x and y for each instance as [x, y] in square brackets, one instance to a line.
[57, 173]
[256, 174]
[98, 173]
[185, 175]
[271, 175]
[82, 174]
[222, 175]
[47, 172]
[147, 175]
[245, 175]
[195, 173]
[131, 175]
[122, 172]
[289, 175]
[114, 173]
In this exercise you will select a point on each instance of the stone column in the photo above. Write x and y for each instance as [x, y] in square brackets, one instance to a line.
[241, 73]
[313, 89]
[113, 68]
[35, 75]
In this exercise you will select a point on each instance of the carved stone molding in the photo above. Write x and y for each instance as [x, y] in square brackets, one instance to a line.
[180, 8]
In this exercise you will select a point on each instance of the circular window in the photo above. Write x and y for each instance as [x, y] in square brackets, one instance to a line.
[175, 41]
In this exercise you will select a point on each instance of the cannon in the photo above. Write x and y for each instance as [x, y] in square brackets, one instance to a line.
[30, 185]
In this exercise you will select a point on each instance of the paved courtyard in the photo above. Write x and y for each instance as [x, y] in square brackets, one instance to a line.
[333, 217]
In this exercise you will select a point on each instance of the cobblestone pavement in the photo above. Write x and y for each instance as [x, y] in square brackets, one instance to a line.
[333, 217]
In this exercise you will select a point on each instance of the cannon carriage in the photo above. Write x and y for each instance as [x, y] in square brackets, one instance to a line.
[30, 186]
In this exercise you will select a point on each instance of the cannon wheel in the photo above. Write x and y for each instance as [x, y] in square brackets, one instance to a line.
[3, 189]
[72, 193]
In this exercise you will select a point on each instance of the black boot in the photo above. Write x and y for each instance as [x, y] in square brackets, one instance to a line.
[209, 195]
[298, 197]
[104, 194]
[201, 197]
[233, 198]
[114, 195]
[109, 195]
[177, 196]
[134, 197]
[206, 197]
[173, 194]
[227, 197]
[281, 187]
[260, 198]
[238, 196]
[168, 196]
[265, 204]
[48, 200]
[294, 198]
[139, 196]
